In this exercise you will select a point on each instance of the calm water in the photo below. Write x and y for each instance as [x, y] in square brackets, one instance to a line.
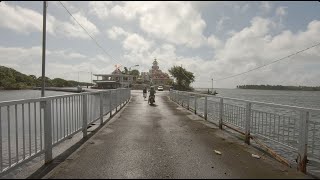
[8, 95]
[310, 99]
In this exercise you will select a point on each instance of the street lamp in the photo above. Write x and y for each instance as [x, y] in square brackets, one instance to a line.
[133, 66]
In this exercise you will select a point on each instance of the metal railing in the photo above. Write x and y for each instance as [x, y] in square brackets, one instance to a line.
[32, 127]
[292, 131]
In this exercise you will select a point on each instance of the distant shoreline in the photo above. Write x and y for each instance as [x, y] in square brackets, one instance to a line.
[279, 87]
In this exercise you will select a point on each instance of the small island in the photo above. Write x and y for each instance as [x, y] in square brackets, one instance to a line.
[279, 87]
[11, 79]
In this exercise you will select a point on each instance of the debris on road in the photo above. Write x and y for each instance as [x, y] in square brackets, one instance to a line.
[217, 152]
[255, 156]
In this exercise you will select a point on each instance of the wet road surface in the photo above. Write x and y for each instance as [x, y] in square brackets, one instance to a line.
[165, 141]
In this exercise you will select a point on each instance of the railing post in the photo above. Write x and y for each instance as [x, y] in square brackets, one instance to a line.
[116, 100]
[188, 101]
[128, 95]
[195, 104]
[206, 108]
[175, 96]
[182, 99]
[48, 132]
[101, 108]
[221, 113]
[248, 120]
[119, 97]
[303, 142]
[84, 116]
[110, 102]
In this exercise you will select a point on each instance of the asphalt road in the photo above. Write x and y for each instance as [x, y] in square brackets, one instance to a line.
[166, 141]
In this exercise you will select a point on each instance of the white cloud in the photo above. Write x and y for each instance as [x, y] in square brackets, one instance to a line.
[128, 11]
[130, 41]
[253, 46]
[220, 23]
[175, 22]
[172, 23]
[25, 21]
[246, 49]
[74, 30]
[59, 63]
[214, 42]
[100, 8]
[116, 32]
[136, 43]
[19, 19]
[281, 12]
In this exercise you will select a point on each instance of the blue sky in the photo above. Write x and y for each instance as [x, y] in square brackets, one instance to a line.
[211, 39]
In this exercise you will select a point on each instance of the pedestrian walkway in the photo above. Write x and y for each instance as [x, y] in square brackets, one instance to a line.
[166, 141]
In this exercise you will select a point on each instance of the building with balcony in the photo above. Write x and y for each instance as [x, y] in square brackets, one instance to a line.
[114, 80]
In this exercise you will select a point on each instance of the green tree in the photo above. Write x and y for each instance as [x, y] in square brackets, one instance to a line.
[183, 78]
[134, 73]
[12, 79]
[58, 82]
[48, 82]
[125, 71]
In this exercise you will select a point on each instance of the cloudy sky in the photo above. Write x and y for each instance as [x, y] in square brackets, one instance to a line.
[213, 40]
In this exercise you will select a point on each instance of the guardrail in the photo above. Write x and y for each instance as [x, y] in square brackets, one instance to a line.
[291, 130]
[32, 127]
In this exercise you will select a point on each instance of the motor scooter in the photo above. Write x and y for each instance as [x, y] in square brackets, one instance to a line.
[151, 100]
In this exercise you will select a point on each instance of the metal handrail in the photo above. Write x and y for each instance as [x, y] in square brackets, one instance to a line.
[288, 131]
[250, 101]
[30, 127]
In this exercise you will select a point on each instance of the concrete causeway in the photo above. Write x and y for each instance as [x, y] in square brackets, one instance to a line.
[166, 141]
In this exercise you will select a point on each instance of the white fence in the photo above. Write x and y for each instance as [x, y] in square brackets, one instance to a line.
[32, 127]
[292, 131]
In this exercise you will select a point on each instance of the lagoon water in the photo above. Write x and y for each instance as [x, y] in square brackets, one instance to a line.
[309, 99]
[9, 95]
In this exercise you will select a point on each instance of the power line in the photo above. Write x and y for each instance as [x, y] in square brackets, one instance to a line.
[269, 63]
[87, 32]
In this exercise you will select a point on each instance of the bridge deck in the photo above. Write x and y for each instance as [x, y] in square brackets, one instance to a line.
[165, 141]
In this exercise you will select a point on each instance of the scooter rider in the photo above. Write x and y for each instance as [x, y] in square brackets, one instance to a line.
[152, 93]
[145, 93]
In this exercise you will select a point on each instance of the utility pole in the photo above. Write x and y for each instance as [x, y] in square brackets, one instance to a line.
[212, 84]
[78, 78]
[44, 47]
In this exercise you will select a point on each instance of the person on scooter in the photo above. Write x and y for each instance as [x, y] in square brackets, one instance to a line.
[145, 93]
[152, 93]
